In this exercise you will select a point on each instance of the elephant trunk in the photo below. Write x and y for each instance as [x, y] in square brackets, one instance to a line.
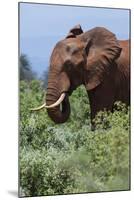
[60, 113]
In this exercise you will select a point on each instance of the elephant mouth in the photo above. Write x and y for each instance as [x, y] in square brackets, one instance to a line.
[70, 92]
[64, 102]
[60, 113]
[71, 89]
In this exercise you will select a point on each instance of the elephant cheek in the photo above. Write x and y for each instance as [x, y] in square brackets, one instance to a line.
[64, 82]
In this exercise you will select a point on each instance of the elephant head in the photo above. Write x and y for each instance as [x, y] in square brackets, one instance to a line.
[80, 58]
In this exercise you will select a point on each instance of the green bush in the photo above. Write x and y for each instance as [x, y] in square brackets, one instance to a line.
[70, 158]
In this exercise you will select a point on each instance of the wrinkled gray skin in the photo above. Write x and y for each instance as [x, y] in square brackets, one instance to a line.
[95, 59]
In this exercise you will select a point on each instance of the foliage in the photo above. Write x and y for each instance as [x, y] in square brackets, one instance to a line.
[70, 158]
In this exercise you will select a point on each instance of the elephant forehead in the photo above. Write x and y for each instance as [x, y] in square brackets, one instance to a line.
[71, 47]
[72, 42]
[67, 46]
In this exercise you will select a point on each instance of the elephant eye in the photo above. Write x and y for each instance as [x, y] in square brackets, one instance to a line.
[75, 51]
[68, 48]
[72, 49]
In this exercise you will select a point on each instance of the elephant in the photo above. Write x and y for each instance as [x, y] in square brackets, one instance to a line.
[97, 60]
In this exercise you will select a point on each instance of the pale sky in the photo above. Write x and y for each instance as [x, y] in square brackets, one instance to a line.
[43, 25]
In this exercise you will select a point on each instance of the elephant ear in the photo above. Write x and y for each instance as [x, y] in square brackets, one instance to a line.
[102, 48]
[77, 30]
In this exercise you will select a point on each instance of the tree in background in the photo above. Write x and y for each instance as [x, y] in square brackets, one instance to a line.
[26, 72]
[44, 79]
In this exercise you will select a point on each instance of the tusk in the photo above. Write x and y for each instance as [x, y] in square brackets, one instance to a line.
[61, 98]
[38, 108]
[57, 102]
